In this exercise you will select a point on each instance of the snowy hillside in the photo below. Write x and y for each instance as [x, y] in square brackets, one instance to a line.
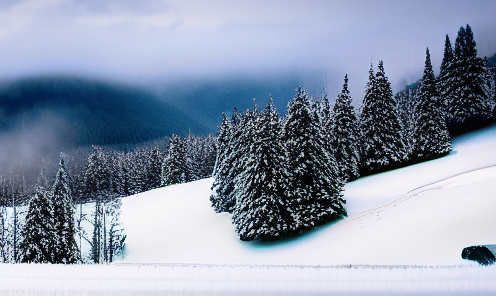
[424, 214]
[404, 235]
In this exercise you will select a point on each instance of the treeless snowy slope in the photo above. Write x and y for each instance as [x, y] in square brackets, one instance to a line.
[388, 222]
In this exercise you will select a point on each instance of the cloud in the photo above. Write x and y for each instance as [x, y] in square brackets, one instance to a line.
[135, 40]
[16, 16]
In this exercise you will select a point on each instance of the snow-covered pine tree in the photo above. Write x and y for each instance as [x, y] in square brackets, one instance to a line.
[315, 187]
[344, 138]
[174, 165]
[97, 174]
[39, 231]
[209, 154]
[65, 250]
[191, 152]
[431, 136]
[407, 101]
[382, 145]
[325, 115]
[122, 173]
[221, 169]
[262, 208]
[155, 170]
[445, 79]
[230, 161]
[470, 107]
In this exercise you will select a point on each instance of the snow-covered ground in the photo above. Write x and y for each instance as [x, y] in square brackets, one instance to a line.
[404, 235]
[424, 214]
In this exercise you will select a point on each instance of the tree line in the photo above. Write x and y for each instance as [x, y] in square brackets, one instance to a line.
[279, 176]
[46, 225]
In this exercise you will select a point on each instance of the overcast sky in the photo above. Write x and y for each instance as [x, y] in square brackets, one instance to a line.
[142, 40]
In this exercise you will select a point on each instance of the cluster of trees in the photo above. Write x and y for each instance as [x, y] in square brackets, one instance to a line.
[50, 229]
[188, 159]
[278, 176]
[465, 89]
[48, 235]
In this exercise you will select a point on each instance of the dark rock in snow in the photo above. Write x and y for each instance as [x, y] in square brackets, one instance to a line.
[484, 255]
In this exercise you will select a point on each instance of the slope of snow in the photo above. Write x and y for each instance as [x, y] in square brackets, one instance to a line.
[420, 215]
[404, 236]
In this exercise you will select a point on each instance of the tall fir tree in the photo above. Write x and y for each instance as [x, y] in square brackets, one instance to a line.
[209, 156]
[469, 107]
[39, 232]
[445, 80]
[65, 250]
[262, 208]
[97, 174]
[380, 129]
[315, 186]
[431, 136]
[345, 135]
[222, 185]
[174, 165]
[154, 168]
[232, 164]
[406, 101]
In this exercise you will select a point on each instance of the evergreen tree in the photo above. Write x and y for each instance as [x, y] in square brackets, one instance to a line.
[431, 134]
[209, 156]
[97, 174]
[155, 167]
[65, 249]
[220, 187]
[445, 80]
[469, 106]
[314, 184]
[38, 232]
[345, 135]
[382, 146]
[230, 162]
[406, 104]
[174, 165]
[262, 208]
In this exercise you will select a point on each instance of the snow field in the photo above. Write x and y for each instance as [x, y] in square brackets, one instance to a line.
[423, 214]
[177, 279]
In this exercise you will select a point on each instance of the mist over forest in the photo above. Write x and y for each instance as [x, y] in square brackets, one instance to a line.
[42, 116]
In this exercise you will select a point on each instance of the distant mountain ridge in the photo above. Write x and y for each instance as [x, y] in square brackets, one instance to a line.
[206, 98]
[90, 111]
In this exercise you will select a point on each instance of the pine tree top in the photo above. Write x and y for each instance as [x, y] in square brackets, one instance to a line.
[428, 72]
[345, 85]
[447, 58]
